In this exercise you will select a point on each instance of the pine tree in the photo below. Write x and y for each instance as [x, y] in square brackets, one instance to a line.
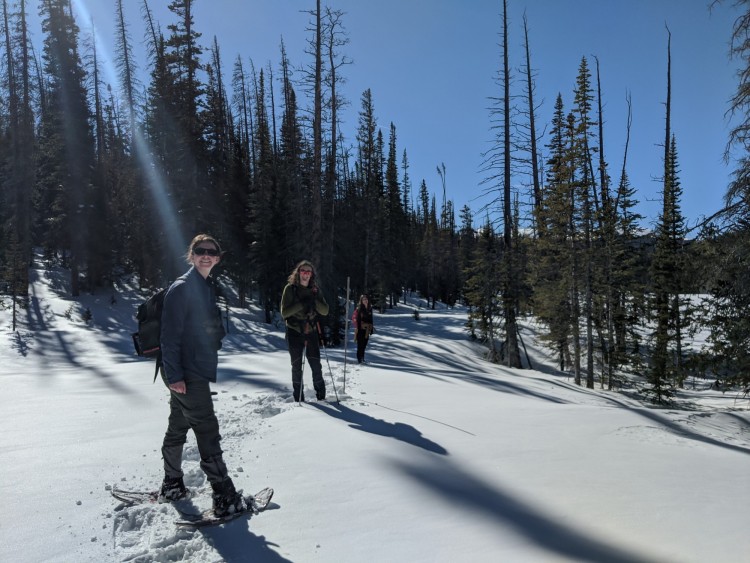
[219, 139]
[667, 267]
[268, 216]
[101, 248]
[66, 143]
[586, 189]
[334, 38]
[368, 163]
[127, 67]
[553, 265]
[19, 142]
[498, 165]
[240, 186]
[294, 197]
[187, 163]
[730, 235]
[626, 272]
[160, 241]
[410, 218]
[128, 153]
[315, 204]
[395, 226]
[481, 289]
[510, 276]
[467, 242]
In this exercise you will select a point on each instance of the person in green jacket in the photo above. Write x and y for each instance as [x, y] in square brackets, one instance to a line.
[301, 303]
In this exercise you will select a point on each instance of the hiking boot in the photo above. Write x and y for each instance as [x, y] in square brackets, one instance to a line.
[172, 488]
[226, 499]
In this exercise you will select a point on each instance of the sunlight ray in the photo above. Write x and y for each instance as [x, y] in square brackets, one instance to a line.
[154, 176]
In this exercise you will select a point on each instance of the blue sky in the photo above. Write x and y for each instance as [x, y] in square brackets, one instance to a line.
[431, 67]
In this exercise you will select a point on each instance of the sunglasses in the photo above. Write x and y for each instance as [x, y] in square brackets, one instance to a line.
[202, 250]
[305, 271]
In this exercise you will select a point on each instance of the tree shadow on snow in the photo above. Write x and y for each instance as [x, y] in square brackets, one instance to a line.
[682, 431]
[36, 318]
[20, 343]
[262, 380]
[67, 351]
[443, 367]
[253, 340]
[458, 487]
[398, 430]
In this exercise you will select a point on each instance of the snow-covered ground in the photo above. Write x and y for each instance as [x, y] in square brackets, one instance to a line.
[431, 454]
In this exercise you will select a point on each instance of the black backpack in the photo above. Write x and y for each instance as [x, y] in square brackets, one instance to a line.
[147, 341]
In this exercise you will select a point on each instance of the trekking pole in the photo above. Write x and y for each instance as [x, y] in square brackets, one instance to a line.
[346, 329]
[330, 372]
[302, 376]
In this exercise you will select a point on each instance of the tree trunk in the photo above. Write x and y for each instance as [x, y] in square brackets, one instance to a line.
[512, 352]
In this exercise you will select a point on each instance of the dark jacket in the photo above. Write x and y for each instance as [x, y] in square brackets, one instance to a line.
[364, 318]
[300, 307]
[191, 329]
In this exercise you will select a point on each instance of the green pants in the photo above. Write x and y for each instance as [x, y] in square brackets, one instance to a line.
[194, 411]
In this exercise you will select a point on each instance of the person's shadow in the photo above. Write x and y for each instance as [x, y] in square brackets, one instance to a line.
[234, 540]
[398, 430]
[236, 543]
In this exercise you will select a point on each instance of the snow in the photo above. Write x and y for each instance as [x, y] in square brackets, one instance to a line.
[431, 453]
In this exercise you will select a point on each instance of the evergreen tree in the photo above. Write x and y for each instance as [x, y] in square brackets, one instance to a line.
[240, 186]
[626, 282]
[127, 67]
[667, 267]
[267, 211]
[18, 143]
[467, 242]
[395, 234]
[175, 125]
[730, 284]
[218, 136]
[409, 267]
[553, 265]
[428, 281]
[369, 188]
[295, 197]
[510, 277]
[481, 289]
[586, 196]
[156, 203]
[101, 248]
[315, 77]
[66, 144]
[334, 38]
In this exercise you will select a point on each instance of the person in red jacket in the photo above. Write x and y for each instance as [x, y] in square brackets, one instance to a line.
[363, 326]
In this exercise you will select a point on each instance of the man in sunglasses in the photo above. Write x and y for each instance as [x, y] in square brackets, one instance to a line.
[191, 336]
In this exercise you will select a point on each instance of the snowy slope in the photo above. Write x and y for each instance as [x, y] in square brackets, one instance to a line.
[431, 454]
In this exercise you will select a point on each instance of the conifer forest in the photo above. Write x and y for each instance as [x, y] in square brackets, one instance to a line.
[113, 180]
